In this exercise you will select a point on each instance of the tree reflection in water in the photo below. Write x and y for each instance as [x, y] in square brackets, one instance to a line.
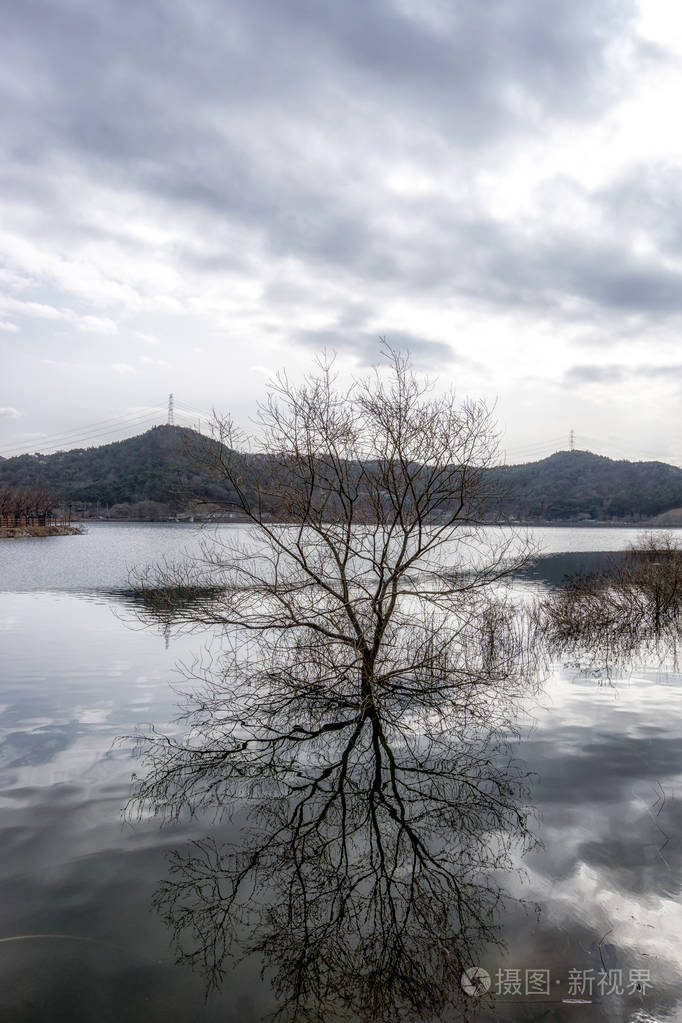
[379, 822]
[367, 876]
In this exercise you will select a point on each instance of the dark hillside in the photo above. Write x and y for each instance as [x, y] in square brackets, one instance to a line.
[161, 467]
[578, 484]
[154, 466]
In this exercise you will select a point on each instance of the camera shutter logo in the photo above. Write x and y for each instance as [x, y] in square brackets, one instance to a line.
[475, 981]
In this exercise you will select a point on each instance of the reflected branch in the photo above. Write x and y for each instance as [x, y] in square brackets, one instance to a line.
[378, 819]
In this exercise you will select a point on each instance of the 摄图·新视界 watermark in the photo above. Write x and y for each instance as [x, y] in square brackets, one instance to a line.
[514, 981]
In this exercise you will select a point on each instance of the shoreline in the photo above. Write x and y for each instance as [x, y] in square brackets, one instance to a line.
[521, 523]
[22, 532]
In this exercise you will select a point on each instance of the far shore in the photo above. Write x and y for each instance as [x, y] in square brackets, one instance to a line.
[645, 524]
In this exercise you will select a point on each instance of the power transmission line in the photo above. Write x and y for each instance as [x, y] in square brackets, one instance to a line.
[528, 451]
[593, 444]
[155, 415]
[99, 437]
[74, 438]
[105, 428]
[193, 411]
[626, 452]
[544, 445]
[110, 424]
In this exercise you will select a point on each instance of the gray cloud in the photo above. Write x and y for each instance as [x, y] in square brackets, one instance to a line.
[242, 174]
[594, 374]
[275, 118]
[647, 199]
[117, 76]
[609, 374]
[367, 347]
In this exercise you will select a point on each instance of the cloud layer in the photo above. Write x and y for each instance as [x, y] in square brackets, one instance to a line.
[262, 179]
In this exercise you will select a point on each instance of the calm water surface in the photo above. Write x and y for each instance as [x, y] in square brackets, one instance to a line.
[78, 940]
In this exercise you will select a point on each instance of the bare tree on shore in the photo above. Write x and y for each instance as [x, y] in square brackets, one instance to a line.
[26, 503]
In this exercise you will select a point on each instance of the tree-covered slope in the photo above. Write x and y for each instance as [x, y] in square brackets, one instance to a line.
[154, 466]
[578, 484]
[162, 465]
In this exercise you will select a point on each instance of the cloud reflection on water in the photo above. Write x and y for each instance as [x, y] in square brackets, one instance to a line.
[601, 753]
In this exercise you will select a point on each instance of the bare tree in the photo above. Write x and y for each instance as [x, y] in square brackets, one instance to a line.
[6, 502]
[359, 498]
[27, 502]
[369, 649]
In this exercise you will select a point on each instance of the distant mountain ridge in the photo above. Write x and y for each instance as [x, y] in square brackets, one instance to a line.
[580, 484]
[158, 468]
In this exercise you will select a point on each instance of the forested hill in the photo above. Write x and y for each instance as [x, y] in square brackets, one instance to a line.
[578, 484]
[158, 470]
[156, 466]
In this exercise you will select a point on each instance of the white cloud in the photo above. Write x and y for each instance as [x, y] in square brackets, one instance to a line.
[9, 413]
[147, 361]
[87, 323]
[97, 325]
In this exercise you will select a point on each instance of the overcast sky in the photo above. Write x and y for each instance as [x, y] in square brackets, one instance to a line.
[195, 192]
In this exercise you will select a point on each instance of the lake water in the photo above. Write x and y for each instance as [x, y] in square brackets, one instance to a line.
[78, 937]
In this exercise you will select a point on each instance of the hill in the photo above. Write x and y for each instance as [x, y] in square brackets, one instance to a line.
[581, 485]
[159, 469]
[156, 466]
